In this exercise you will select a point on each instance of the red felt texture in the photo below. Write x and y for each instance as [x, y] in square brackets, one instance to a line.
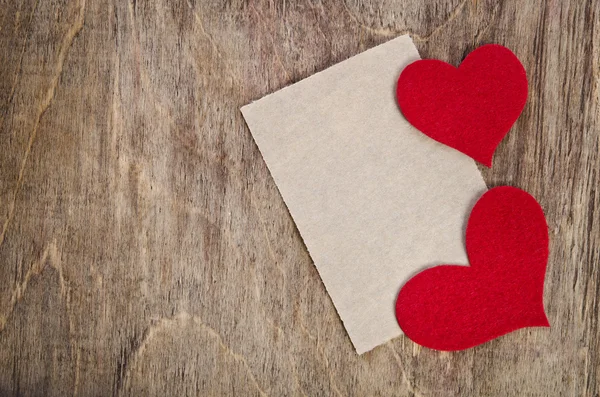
[451, 307]
[469, 108]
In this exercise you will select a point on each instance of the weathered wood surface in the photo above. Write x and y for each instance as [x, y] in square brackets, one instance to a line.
[145, 250]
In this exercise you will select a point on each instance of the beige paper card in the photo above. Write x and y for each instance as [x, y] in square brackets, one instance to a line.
[375, 200]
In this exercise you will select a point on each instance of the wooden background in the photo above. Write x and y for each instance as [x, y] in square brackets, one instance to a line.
[145, 250]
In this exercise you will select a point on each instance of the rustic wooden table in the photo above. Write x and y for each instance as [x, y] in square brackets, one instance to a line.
[145, 249]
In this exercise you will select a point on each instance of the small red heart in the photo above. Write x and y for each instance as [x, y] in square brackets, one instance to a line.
[453, 307]
[469, 108]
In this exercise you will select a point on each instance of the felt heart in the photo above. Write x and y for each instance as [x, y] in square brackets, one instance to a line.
[469, 108]
[452, 307]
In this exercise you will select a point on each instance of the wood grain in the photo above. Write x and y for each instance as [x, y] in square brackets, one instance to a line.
[145, 250]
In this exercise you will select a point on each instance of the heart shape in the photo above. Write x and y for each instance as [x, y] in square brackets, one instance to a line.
[469, 108]
[453, 307]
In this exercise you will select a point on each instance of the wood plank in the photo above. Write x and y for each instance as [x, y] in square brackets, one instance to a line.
[145, 249]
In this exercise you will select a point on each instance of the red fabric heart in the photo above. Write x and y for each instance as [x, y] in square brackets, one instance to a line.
[469, 108]
[452, 307]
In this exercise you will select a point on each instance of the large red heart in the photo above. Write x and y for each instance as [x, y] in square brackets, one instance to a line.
[453, 307]
[469, 108]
